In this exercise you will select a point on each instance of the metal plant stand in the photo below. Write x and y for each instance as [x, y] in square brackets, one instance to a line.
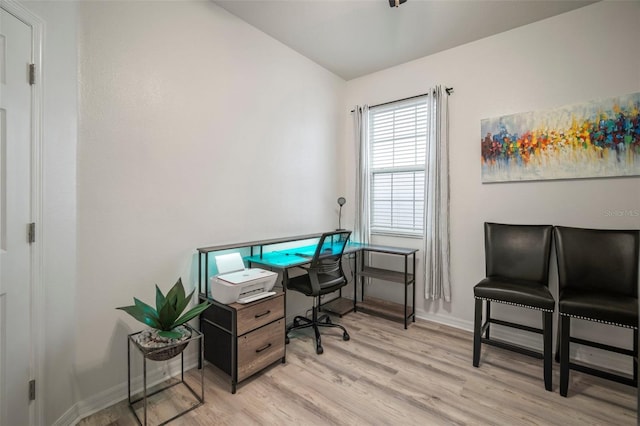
[147, 355]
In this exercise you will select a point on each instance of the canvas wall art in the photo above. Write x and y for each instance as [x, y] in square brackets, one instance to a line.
[599, 138]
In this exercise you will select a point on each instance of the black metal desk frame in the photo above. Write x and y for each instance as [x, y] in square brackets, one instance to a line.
[195, 335]
[362, 270]
[402, 277]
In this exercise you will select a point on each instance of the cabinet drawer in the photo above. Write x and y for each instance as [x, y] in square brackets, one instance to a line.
[257, 314]
[260, 348]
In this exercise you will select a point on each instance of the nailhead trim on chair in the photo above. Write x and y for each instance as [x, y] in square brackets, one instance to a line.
[597, 320]
[514, 304]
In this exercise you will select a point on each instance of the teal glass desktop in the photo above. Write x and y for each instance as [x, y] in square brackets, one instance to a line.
[296, 256]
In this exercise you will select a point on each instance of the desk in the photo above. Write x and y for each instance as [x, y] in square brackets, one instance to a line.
[296, 251]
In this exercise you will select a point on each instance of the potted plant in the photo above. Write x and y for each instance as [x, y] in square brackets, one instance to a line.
[165, 322]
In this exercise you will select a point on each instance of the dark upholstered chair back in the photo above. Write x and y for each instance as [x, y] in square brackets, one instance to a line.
[326, 265]
[598, 259]
[519, 252]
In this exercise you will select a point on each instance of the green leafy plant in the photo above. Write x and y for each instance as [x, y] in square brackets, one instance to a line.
[168, 312]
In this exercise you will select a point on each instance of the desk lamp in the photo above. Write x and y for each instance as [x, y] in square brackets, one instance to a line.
[341, 202]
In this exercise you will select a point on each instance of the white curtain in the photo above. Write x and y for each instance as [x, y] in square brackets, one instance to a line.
[436, 249]
[361, 232]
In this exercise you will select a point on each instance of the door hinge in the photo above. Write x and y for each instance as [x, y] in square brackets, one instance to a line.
[32, 74]
[32, 390]
[31, 233]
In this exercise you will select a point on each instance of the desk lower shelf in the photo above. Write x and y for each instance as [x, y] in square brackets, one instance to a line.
[339, 306]
[384, 308]
[385, 274]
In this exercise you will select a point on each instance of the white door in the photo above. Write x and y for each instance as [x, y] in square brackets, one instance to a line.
[15, 215]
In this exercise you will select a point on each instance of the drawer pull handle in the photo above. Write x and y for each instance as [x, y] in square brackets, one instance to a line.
[263, 348]
[263, 314]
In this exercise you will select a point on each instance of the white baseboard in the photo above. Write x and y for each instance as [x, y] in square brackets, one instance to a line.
[118, 393]
[581, 354]
[445, 320]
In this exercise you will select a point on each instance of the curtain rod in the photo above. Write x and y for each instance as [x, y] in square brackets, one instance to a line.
[449, 91]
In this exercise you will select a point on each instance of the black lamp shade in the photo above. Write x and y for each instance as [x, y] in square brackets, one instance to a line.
[392, 3]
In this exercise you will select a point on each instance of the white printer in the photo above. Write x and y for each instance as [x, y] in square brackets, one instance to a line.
[235, 283]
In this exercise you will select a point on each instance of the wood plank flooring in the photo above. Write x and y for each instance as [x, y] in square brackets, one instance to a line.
[386, 375]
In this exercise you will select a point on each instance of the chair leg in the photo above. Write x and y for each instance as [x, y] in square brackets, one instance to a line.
[565, 326]
[314, 319]
[325, 321]
[547, 333]
[558, 334]
[488, 317]
[635, 356]
[477, 329]
[319, 348]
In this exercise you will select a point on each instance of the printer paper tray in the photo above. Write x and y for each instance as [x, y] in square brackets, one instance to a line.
[255, 297]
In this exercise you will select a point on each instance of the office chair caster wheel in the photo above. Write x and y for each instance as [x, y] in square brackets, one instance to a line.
[319, 350]
[286, 340]
[296, 322]
[328, 320]
[345, 336]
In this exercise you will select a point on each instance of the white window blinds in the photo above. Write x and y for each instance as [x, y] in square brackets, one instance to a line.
[397, 137]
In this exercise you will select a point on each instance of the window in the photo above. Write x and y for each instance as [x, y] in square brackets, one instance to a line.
[398, 139]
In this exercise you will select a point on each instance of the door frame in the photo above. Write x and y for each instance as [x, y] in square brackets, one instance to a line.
[36, 290]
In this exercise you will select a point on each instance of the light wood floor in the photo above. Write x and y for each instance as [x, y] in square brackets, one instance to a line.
[386, 375]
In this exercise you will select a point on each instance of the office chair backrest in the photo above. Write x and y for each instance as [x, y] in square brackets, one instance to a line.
[518, 252]
[327, 259]
[598, 259]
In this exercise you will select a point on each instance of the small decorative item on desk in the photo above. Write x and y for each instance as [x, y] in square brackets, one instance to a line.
[341, 202]
[165, 322]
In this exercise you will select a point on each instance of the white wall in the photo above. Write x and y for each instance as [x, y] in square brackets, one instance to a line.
[586, 54]
[195, 129]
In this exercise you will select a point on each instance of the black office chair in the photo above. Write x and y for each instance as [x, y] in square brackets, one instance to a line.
[517, 269]
[324, 275]
[598, 281]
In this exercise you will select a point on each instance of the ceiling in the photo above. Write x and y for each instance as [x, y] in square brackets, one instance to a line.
[353, 38]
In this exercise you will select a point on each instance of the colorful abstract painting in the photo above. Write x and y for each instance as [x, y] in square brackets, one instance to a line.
[587, 140]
